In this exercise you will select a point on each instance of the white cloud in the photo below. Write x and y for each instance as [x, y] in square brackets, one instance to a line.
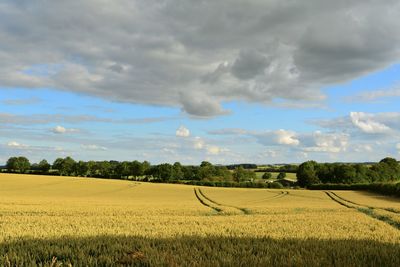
[61, 130]
[16, 145]
[93, 147]
[198, 143]
[326, 142]
[366, 123]
[277, 137]
[362, 148]
[284, 137]
[182, 131]
[398, 148]
[215, 150]
[376, 94]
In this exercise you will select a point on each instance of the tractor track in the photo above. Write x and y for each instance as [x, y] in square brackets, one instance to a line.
[362, 205]
[204, 203]
[219, 207]
[244, 210]
[364, 209]
[277, 196]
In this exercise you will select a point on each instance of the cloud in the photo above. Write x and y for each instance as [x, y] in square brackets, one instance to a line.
[325, 142]
[30, 148]
[376, 94]
[215, 150]
[8, 118]
[366, 123]
[195, 55]
[93, 147]
[249, 64]
[276, 137]
[228, 131]
[286, 138]
[62, 130]
[384, 123]
[301, 143]
[16, 145]
[182, 131]
[198, 143]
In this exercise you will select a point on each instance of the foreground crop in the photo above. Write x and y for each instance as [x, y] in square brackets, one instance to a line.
[82, 222]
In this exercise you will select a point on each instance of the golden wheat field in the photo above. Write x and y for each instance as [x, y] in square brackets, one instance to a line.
[67, 221]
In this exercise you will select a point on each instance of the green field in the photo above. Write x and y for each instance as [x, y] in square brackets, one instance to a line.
[49, 221]
[289, 175]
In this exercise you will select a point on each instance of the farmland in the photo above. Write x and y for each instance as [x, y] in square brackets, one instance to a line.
[48, 220]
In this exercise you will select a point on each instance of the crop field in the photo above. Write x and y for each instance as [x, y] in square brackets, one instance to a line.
[68, 221]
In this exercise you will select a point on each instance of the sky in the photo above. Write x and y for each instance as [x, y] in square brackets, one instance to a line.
[255, 81]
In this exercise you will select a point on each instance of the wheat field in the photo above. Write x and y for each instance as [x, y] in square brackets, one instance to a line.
[70, 221]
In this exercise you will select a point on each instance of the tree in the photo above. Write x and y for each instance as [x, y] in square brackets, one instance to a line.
[93, 168]
[136, 168]
[206, 170]
[177, 172]
[44, 166]
[267, 175]
[11, 164]
[18, 164]
[123, 169]
[222, 173]
[306, 174]
[65, 166]
[162, 172]
[69, 166]
[345, 173]
[104, 168]
[146, 167]
[81, 168]
[240, 174]
[281, 175]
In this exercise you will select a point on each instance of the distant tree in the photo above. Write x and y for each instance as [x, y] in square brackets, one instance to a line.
[222, 173]
[240, 174]
[267, 175]
[93, 168]
[123, 169]
[163, 171]
[281, 175]
[44, 166]
[190, 172]
[104, 169]
[306, 174]
[69, 166]
[65, 166]
[206, 170]
[146, 167]
[18, 164]
[177, 172]
[136, 168]
[390, 161]
[81, 168]
[345, 173]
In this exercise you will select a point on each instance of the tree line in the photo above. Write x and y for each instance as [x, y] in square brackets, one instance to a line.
[311, 173]
[131, 170]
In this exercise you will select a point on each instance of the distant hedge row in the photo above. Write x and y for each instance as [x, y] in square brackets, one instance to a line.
[390, 189]
[228, 184]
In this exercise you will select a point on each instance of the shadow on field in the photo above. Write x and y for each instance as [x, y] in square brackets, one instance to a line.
[380, 197]
[196, 251]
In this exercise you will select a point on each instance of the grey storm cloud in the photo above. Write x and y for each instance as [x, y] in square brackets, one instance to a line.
[195, 55]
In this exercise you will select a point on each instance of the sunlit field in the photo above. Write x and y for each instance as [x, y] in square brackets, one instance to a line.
[50, 220]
